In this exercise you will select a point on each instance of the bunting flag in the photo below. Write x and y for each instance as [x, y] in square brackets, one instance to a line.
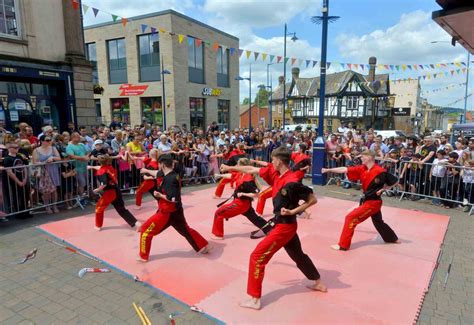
[293, 60]
[75, 4]
[279, 59]
[180, 38]
[95, 11]
[240, 52]
[85, 8]
[163, 31]
[124, 21]
[247, 53]
[271, 58]
[255, 54]
[307, 63]
[153, 31]
[328, 64]
[300, 62]
[114, 18]
[144, 28]
[314, 63]
[198, 42]
[215, 46]
[264, 56]
[232, 51]
[349, 65]
[286, 60]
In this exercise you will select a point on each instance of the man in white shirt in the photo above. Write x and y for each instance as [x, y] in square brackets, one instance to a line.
[221, 140]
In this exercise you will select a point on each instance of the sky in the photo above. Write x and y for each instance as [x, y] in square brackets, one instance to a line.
[395, 31]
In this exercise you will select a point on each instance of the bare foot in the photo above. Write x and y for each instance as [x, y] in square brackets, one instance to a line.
[252, 303]
[139, 259]
[215, 197]
[216, 237]
[97, 228]
[205, 250]
[138, 226]
[317, 286]
[138, 207]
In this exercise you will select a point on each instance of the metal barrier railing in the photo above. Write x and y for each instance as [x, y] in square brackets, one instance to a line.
[44, 186]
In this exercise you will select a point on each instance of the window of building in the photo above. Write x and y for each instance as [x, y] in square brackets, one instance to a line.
[223, 113]
[197, 112]
[117, 61]
[98, 108]
[222, 67]
[9, 24]
[152, 111]
[121, 109]
[195, 60]
[149, 54]
[92, 57]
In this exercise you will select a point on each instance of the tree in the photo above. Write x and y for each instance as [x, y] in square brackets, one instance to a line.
[261, 99]
[245, 101]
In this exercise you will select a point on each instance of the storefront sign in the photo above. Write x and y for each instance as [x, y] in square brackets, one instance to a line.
[401, 111]
[49, 74]
[14, 116]
[20, 106]
[131, 90]
[211, 92]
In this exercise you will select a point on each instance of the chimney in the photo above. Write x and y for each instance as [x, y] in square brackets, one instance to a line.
[372, 64]
[295, 72]
[281, 80]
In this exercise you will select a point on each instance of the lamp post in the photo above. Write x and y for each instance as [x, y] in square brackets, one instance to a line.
[467, 76]
[294, 39]
[250, 94]
[319, 146]
[163, 106]
[270, 87]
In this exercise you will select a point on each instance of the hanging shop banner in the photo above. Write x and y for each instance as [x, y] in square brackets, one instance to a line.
[132, 90]
[211, 92]
[401, 111]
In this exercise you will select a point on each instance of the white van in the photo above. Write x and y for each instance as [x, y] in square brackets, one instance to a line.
[390, 133]
[303, 127]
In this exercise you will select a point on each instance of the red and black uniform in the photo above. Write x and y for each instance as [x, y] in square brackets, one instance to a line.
[287, 191]
[170, 213]
[244, 183]
[300, 160]
[262, 198]
[107, 175]
[230, 160]
[372, 180]
[148, 185]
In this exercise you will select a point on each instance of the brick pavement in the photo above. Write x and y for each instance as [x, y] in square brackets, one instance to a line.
[47, 290]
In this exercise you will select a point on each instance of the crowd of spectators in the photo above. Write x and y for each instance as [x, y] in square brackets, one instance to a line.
[60, 159]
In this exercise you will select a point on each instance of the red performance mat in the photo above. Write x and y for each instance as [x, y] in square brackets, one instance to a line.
[372, 283]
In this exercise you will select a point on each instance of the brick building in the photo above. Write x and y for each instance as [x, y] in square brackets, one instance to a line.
[259, 116]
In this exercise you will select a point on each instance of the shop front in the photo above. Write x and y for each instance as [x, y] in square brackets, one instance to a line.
[121, 109]
[197, 108]
[37, 97]
[152, 111]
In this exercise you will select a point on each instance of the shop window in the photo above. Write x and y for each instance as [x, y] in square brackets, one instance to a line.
[117, 61]
[9, 24]
[197, 112]
[48, 112]
[92, 57]
[223, 113]
[19, 110]
[195, 60]
[149, 54]
[3, 118]
[152, 111]
[222, 67]
[121, 109]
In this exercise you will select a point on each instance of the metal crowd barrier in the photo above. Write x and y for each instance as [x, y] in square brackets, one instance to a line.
[44, 186]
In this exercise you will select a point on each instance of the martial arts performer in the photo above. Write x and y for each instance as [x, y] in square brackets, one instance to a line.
[231, 160]
[287, 192]
[301, 161]
[170, 211]
[108, 186]
[245, 190]
[148, 184]
[375, 180]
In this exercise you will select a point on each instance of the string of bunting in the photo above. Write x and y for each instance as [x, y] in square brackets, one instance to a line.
[449, 87]
[266, 57]
[458, 100]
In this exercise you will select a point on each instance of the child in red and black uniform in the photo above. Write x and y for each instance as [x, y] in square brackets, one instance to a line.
[170, 211]
[148, 184]
[287, 191]
[374, 180]
[231, 160]
[108, 185]
[245, 190]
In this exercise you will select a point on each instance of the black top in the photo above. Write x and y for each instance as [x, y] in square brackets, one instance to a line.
[17, 161]
[425, 150]
[378, 183]
[170, 186]
[288, 197]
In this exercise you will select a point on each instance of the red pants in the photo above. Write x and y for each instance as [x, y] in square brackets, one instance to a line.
[114, 197]
[159, 222]
[221, 185]
[262, 198]
[146, 186]
[229, 210]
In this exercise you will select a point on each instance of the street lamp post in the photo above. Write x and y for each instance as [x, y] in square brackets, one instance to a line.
[163, 106]
[270, 87]
[250, 95]
[294, 39]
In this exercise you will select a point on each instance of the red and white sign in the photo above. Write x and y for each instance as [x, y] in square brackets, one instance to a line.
[131, 90]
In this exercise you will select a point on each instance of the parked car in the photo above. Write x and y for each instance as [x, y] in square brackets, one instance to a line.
[390, 133]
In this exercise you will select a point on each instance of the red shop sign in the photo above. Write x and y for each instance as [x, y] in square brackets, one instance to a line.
[131, 90]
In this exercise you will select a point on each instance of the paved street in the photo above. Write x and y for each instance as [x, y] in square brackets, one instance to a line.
[47, 290]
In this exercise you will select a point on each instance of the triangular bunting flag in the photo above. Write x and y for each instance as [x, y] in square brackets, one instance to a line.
[438, 65]
[443, 65]
[180, 38]
[356, 66]
[434, 75]
[85, 8]
[75, 4]
[264, 56]
[314, 63]
[307, 63]
[144, 27]
[240, 52]
[215, 47]
[452, 72]
[349, 65]
[463, 63]
[293, 60]
[163, 31]
[446, 73]
[458, 71]
[404, 67]
[247, 53]
[271, 58]
[424, 77]
[421, 66]
[279, 59]
[409, 66]
[114, 18]
[190, 41]
[328, 64]
[153, 31]
[232, 51]
[95, 11]
[124, 21]
[387, 67]
[432, 66]
[300, 61]
[463, 70]
[380, 66]
[343, 66]
[255, 55]
[391, 67]
[362, 66]
[286, 60]
[458, 64]
[198, 42]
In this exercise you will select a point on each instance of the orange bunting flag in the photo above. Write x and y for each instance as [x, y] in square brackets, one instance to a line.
[356, 66]
[293, 60]
[124, 21]
[75, 4]
[215, 46]
[180, 38]
[247, 53]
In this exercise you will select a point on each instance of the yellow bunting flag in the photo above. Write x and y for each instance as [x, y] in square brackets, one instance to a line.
[247, 53]
[180, 38]
[404, 67]
[264, 56]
